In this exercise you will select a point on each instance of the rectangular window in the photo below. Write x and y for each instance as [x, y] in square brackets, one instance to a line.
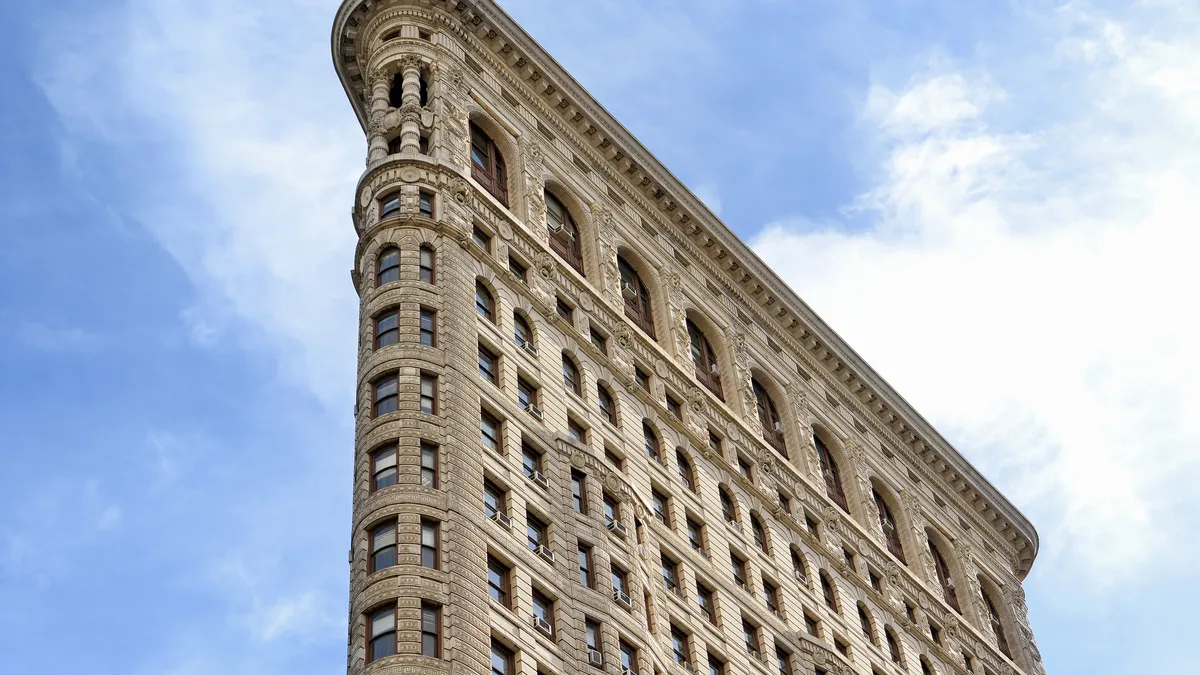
[382, 634]
[493, 499]
[695, 533]
[812, 626]
[527, 394]
[715, 666]
[387, 395]
[674, 407]
[426, 202]
[739, 569]
[704, 597]
[429, 464]
[564, 310]
[579, 491]
[618, 578]
[743, 465]
[488, 365]
[670, 573]
[428, 327]
[617, 462]
[771, 596]
[543, 607]
[628, 655]
[585, 565]
[518, 270]
[383, 546]
[383, 468]
[531, 460]
[489, 431]
[390, 204]
[591, 634]
[431, 630]
[426, 264]
[387, 329]
[535, 532]
[679, 645]
[610, 509]
[598, 340]
[502, 660]
[429, 393]
[429, 543]
[783, 660]
[481, 239]
[575, 431]
[750, 636]
[498, 581]
[642, 379]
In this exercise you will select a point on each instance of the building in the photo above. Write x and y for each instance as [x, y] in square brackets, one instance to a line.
[595, 434]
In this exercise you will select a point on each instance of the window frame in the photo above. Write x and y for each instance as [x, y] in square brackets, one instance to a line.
[491, 174]
[383, 268]
[640, 307]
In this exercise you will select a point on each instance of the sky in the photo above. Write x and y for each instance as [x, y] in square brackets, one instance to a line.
[992, 202]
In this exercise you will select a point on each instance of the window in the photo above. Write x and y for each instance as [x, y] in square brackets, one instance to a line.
[383, 468]
[727, 508]
[812, 626]
[426, 204]
[628, 655]
[798, 566]
[481, 239]
[849, 556]
[591, 634]
[488, 365]
[487, 165]
[387, 398]
[715, 666]
[387, 329]
[670, 573]
[750, 636]
[617, 576]
[426, 264]
[679, 645]
[760, 533]
[785, 502]
[428, 327]
[695, 532]
[429, 543]
[926, 669]
[564, 234]
[685, 471]
[517, 269]
[876, 581]
[608, 407]
[891, 533]
[383, 546]
[396, 93]
[389, 266]
[390, 204]
[642, 378]
[429, 393]
[535, 532]
[810, 524]
[705, 360]
[704, 597]
[739, 569]
[783, 661]
[543, 607]
[429, 464]
[743, 466]
[598, 340]
[585, 565]
[833, 479]
[531, 460]
[944, 578]
[484, 304]
[650, 441]
[935, 633]
[715, 444]
[570, 375]
[841, 646]
[864, 622]
[498, 581]
[502, 660]
[659, 503]
[431, 630]
[575, 431]
[579, 491]
[768, 417]
[612, 458]
[637, 297]
[771, 596]
[996, 623]
[893, 645]
[564, 311]
[382, 636]
[610, 509]
[827, 591]
[489, 430]
[674, 407]
[493, 499]
[522, 334]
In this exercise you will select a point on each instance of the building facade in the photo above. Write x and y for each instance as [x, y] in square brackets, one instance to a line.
[596, 434]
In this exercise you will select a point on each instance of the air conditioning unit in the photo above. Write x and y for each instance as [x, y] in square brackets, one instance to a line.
[532, 409]
[627, 671]
[754, 653]
[779, 427]
[540, 480]
[542, 625]
[687, 665]
[713, 368]
[622, 598]
[628, 291]
[734, 524]
[528, 346]
[595, 658]
[502, 518]
[778, 614]
[617, 528]
[661, 518]
[554, 227]
[800, 577]
[545, 552]
[747, 588]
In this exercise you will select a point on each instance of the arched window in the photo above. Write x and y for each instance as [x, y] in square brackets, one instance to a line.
[637, 297]
[564, 234]
[728, 511]
[996, 623]
[650, 439]
[608, 406]
[570, 374]
[944, 579]
[891, 533]
[484, 304]
[759, 532]
[926, 668]
[487, 164]
[827, 591]
[833, 477]
[523, 334]
[389, 266]
[427, 265]
[768, 417]
[396, 92]
[707, 371]
[864, 621]
[893, 645]
[685, 471]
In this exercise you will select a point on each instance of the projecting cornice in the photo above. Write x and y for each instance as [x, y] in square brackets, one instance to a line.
[789, 320]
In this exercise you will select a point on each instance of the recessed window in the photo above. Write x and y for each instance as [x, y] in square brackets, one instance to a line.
[612, 458]
[531, 460]
[489, 431]
[488, 364]
[680, 645]
[812, 626]
[426, 204]
[771, 596]
[674, 407]
[517, 269]
[543, 607]
[628, 656]
[387, 329]
[864, 622]
[429, 464]
[996, 623]
[935, 633]
[743, 466]
[684, 467]
[842, 647]
[481, 239]
[598, 340]
[695, 533]
[382, 641]
[431, 630]
[608, 408]
[570, 373]
[585, 565]
[642, 378]
[738, 567]
[429, 393]
[783, 661]
[949, 594]
[704, 597]
[579, 491]
[670, 574]
[494, 499]
[522, 333]
[576, 431]
[389, 266]
[750, 636]
[715, 666]
[487, 165]
[618, 577]
[429, 543]
[390, 205]
[527, 395]
[827, 591]
[591, 635]
[831, 473]
[610, 509]
[387, 395]
[715, 445]
[760, 533]
[428, 327]
[798, 567]
[498, 580]
[658, 502]
[893, 645]
[768, 417]
[564, 311]
[383, 546]
[785, 502]
[426, 264]
[564, 234]
[502, 660]
[485, 305]
[727, 508]
[637, 297]
[535, 532]
[650, 441]
[383, 468]
[705, 360]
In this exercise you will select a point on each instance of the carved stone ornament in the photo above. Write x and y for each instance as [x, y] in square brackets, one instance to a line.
[622, 336]
[454, 76]
[410, 174]
[544, 263]
[460, 189]
[696, 400]
[410, 62]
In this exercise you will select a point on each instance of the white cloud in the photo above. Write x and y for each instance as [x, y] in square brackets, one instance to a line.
[1032, 291]
[57, 340]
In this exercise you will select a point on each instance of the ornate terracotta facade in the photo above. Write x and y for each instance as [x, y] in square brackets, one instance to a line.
[469, 124]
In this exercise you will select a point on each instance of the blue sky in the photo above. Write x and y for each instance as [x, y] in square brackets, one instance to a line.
[993, 202]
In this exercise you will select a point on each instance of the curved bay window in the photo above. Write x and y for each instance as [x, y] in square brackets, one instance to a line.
[705, 359]
[944, 579]
[996, 623]
[891, 533]
[487, 164]
[637, 298]
[833, 477]
[768, 417]
[389, 266]
[564, 234]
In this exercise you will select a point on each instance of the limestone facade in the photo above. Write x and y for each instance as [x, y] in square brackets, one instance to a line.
[679, 389]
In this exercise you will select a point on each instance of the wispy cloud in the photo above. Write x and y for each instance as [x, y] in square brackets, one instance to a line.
[57, 340]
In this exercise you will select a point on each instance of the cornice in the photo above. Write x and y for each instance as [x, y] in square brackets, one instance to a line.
[812, 340]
